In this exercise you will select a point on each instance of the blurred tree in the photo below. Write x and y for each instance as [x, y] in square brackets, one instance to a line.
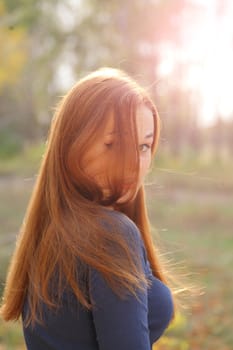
[217, 137]
[181, 134]
[65, 39]
[229, 138]
[13, 53]
[130, 33]
[12, 56]
[221, 137]
[24, 103]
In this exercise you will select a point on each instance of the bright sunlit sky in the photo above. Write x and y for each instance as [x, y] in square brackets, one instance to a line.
[208, 49]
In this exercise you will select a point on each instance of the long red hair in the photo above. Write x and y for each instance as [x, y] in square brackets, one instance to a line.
[63, 231]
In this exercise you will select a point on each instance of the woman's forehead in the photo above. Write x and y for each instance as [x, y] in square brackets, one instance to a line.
[144, 123]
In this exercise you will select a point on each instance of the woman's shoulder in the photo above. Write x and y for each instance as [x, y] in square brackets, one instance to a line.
[120, 223]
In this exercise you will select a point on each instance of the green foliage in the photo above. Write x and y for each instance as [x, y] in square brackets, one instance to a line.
[10, 144]
[13, 54]
[24, 162]
[26, 13]
[12, 336]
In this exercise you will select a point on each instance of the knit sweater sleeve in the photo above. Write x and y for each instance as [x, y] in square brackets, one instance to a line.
[125, 324]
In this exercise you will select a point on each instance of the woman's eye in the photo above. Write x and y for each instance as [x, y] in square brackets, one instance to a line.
[108, 144]
[144, 147]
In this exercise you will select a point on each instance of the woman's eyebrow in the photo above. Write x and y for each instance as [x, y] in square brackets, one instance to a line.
[148, 136]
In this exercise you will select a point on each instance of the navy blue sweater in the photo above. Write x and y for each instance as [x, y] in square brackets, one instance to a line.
[113, 324]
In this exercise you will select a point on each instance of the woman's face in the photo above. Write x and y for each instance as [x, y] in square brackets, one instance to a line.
[98, 157]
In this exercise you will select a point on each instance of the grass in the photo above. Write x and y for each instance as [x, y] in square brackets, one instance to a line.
[23, 164]
[191, 208]
[11, 337]
[195, 224]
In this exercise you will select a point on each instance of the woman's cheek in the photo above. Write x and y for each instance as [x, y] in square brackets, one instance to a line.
[144, 164]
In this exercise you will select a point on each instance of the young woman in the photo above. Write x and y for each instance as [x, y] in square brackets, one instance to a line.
[85, 274]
